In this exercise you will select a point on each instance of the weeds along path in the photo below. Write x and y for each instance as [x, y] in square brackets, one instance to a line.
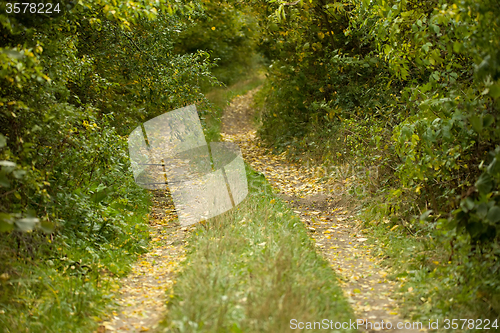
[338, 235]
[142, 297]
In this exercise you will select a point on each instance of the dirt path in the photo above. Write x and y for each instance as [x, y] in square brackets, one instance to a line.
[337, 233]
[142, 297]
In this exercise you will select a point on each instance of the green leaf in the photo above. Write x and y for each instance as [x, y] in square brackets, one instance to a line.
[426, 46]
[47, 226]
[475, 229]
[6, 222]
[236, 329]
[102, 193]
[484, 184]
[495, 90]
[494, 167]
[482, 210]
[14, 54]
[18, 174]
[4, 181]
[426, 87]
[406, 133]
[425, 215]
[494, 214]
[488, 120]
[477, 123]
[3, 141]
[387, 49]
[467, 204]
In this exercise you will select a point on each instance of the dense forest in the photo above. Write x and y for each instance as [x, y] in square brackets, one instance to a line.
[403, 96]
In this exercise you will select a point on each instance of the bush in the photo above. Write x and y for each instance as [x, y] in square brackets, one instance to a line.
[409, 87]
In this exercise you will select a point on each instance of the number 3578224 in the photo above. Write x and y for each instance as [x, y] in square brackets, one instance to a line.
[32, 8]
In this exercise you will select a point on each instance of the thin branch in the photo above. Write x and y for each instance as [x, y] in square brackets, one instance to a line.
[133, 42]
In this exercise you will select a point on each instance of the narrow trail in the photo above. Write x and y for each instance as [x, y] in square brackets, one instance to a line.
[142, 296]
[338, 234]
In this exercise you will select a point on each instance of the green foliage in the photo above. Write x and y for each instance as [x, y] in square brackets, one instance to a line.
[228, 31]
[62, 283]
[409, 87]
[433, 283]
[74, 70]
[72, 87]
[479, 214]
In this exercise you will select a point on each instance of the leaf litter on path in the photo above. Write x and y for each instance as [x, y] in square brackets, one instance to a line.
[142, 296]
[336, 231]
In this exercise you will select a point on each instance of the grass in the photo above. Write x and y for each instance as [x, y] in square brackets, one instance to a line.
[64, 284]
[254, 269]
[437, 285]
[221, 97]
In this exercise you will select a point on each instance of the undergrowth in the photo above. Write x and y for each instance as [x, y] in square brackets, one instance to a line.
[56, 283]
[439, 280]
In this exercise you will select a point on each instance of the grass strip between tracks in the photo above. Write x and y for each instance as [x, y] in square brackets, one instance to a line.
[254, 269]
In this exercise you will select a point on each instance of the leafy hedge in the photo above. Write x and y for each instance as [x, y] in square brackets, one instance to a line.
[409, 87]
[229, 32]
[72, 87]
